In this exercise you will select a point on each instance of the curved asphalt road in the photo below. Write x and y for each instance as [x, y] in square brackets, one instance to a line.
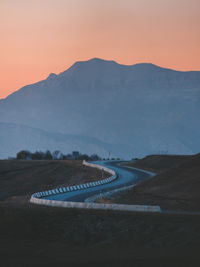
[126, 176]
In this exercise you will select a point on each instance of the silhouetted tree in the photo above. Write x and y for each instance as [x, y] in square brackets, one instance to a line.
[38, 155]
[24, 154]
[95, 157]
[48, 155]
[76, 154]
[56, 154]
[84, 157]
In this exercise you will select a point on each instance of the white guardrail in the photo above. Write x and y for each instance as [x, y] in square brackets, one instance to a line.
[37, 198]
[62, 190]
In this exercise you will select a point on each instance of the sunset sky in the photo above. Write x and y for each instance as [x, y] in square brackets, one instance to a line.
[43, 36]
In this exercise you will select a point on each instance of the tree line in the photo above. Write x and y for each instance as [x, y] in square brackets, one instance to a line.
[55, 155]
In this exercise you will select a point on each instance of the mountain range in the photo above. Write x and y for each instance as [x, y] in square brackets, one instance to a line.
[103, 107]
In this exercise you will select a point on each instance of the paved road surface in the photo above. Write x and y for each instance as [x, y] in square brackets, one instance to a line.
[126, 176]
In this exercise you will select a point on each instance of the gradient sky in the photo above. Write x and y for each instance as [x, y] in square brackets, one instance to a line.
[43, 36]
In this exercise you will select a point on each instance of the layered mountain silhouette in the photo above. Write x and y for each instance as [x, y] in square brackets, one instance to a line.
[20, 137]
[123, 110]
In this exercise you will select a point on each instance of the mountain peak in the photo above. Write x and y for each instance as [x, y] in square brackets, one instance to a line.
[95, 60]
[141, 108]
[101, 62]
[147, 65]
[93, 63]
[51, 76]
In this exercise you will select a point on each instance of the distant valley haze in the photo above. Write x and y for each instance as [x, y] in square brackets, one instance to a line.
[100, 106]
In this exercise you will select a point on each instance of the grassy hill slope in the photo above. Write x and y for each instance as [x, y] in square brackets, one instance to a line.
[177, 188]
[159, 163]
[24, 177]
[34, 235]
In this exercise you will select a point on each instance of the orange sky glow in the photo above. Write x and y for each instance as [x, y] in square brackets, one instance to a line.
[43, 36]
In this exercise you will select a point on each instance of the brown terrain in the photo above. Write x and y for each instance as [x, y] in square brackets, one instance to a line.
[176, 187]
[159, 163]
[24, 177]
[34, 235]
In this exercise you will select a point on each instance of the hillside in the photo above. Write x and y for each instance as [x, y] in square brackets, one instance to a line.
[21, 178]
[34, 235]
[159, 163]
[174, 189]
[138, 109]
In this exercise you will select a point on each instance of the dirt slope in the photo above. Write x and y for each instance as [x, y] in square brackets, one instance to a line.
[22, 177]
[34, 235]
[177, 188]
[159, 163]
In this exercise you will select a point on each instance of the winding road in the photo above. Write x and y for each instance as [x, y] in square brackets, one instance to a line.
[78, 197]
[126, 176]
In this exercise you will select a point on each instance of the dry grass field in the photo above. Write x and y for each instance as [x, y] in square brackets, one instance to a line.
[33, 235]
[176, 187]
[21, 178]
[44, 236]
[159, 163]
